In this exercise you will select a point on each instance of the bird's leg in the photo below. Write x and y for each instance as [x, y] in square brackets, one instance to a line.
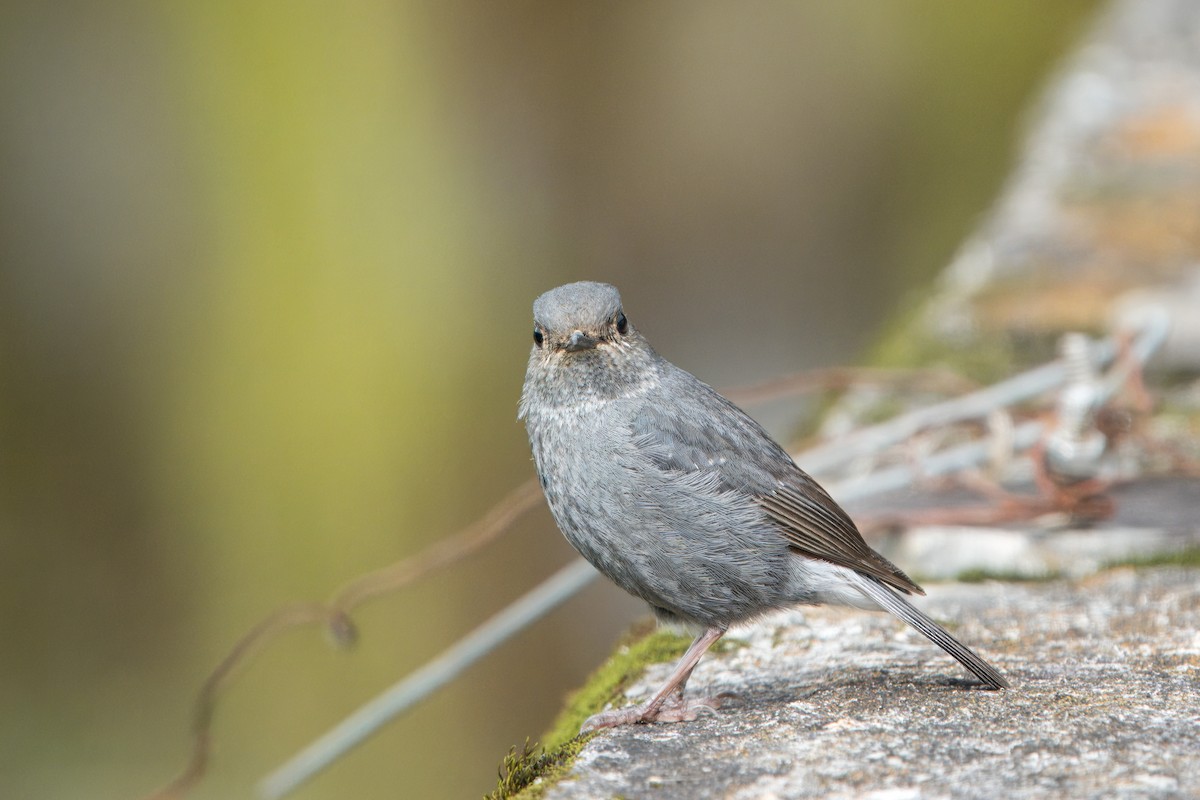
[667, 704]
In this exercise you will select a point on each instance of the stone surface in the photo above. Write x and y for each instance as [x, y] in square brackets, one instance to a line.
[833, 703]
[1103, 207]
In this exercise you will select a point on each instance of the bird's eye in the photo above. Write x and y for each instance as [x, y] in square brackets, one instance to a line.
[538, 338]
[622, 324]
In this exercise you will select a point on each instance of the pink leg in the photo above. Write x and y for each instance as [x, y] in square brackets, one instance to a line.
[667, 704]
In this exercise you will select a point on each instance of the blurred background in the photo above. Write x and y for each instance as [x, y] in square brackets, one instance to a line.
[265, 283]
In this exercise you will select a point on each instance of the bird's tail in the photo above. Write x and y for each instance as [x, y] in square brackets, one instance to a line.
[894, 603]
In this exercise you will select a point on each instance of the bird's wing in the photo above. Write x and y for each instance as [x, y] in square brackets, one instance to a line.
[700, 431]
[817, 526]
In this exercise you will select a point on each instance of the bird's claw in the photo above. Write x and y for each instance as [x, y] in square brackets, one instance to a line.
[673, 709]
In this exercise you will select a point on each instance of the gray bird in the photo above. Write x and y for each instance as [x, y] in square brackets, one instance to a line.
[683, 500]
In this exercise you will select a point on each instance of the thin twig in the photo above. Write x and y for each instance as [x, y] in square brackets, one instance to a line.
[436, 673]
[834, 378]
[336, 616]
[441, 553]
[206, 699]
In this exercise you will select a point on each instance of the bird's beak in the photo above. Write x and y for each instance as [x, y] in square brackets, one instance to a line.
[579, 341]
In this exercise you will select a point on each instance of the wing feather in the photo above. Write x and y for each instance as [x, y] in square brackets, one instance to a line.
[707, 433]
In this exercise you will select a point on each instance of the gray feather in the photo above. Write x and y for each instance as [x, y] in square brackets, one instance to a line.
[935, 633]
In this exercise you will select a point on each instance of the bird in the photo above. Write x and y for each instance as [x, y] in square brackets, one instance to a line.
[683, 500]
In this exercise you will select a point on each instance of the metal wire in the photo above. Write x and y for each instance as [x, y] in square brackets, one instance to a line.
[425, 681]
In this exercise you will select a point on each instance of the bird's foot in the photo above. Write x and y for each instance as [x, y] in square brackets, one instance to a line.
[673, 709]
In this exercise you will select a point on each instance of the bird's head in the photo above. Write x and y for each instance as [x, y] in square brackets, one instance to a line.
[579, 317]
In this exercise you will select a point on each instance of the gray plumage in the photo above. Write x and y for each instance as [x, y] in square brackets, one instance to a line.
[677, 495]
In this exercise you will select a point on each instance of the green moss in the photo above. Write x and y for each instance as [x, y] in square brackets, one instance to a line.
[882, 410]
[520, 771]
[643, 645]
[984, 359]
[728, 644]
[979, 575]
[1188, 557]
[898, 345]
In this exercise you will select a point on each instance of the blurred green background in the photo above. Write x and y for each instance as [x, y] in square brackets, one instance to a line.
[265, 283]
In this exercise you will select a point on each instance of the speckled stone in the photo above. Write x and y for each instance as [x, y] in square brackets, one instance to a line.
[834, 703]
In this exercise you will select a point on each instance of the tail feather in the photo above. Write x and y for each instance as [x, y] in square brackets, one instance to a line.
[900, 607]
